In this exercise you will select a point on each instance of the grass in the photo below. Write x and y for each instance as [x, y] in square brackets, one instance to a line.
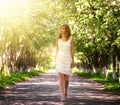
[14, 78]
[108, 83]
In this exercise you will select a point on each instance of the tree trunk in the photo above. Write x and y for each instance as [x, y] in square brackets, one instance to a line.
[104, 64]
[119, 67]
[95, 66]
[2, 65]
[114, 67]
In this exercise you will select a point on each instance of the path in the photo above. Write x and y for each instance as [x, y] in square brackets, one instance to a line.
[44, 90]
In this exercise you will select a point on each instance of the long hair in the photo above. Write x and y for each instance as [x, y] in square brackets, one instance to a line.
[67, 31]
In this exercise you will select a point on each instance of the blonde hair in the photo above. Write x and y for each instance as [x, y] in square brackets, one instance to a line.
[67, 30]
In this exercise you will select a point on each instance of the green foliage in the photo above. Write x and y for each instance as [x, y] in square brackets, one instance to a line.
[13, 78]
[109, 83]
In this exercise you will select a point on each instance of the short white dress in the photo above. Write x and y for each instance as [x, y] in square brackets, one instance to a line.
[63, 59]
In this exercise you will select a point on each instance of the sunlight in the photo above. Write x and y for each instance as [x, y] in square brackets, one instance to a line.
[18, 11]
[10, 8]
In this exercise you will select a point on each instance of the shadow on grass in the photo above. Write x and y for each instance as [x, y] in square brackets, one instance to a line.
[109, 83]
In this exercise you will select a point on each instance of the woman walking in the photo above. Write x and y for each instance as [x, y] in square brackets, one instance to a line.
[64, 58]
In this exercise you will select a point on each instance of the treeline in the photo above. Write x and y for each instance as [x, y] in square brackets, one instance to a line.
[26, 36]
[99, 35]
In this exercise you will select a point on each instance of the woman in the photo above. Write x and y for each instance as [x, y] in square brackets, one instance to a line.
[64, 58]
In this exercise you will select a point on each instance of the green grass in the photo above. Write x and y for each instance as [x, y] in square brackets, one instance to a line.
[14, 78]
[108, 83]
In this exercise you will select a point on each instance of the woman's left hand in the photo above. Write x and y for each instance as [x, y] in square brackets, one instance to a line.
[72, 64]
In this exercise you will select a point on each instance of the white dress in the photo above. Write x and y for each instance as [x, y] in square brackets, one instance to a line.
[63, 59]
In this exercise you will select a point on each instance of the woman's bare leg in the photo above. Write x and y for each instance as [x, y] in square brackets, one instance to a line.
[62, 84]
[66, 84]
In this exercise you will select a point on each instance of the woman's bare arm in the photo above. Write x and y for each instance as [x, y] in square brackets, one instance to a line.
[72, 52]
[56, 48]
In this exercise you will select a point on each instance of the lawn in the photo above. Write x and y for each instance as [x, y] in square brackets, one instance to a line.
[16, 77]
[108, 83]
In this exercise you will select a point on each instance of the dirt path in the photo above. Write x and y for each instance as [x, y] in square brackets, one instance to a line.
[44, 90]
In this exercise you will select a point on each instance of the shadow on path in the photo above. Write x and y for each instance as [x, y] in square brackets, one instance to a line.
[44, 90]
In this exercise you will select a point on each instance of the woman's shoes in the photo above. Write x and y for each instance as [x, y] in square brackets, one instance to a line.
[62, 99]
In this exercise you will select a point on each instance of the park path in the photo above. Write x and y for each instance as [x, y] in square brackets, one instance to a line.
[44, 90]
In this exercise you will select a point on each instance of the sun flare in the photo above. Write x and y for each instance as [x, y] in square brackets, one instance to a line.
[9, 8]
